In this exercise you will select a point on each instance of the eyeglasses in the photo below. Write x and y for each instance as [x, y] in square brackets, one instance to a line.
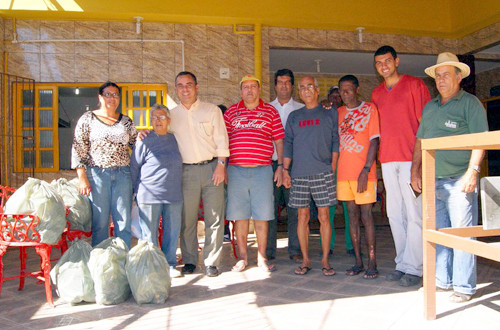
[310, 87]
[108, 95]
[162, 117]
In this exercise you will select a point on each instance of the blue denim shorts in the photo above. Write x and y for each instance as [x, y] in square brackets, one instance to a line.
[250, 193]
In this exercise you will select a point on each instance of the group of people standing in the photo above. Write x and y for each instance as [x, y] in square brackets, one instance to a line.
[310, 153]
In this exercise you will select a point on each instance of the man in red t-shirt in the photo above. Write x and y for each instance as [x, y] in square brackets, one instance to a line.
[356, 173]
[252, 126]
[400, 100]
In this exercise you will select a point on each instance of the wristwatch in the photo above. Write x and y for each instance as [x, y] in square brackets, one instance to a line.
[476, 168]
[221, 162]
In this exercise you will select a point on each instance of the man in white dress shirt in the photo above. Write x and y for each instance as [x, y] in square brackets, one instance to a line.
[285, 104]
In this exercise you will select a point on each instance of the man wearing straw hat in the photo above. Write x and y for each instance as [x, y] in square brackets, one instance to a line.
[452, 112]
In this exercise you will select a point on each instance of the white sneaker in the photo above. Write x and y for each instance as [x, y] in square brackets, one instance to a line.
[174, 272]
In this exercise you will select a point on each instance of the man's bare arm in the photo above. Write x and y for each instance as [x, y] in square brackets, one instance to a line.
[370, 158]
[416, 167]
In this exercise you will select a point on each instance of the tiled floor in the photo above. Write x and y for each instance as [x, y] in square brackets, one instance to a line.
[254, 300]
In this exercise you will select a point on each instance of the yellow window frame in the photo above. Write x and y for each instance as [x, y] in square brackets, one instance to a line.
[37, 130]
[137, 100]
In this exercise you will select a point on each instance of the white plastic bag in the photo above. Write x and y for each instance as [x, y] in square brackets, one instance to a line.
[148, 273]
[80, 210]
[37, 197]
[136, 221]
[71, 274]
[107, 267]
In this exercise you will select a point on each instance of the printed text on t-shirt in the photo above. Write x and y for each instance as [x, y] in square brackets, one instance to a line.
[309, 122]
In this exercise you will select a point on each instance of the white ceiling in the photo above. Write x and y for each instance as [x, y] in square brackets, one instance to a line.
[340, 62]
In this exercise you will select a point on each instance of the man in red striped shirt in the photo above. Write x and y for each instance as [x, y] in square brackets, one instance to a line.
[252, 126]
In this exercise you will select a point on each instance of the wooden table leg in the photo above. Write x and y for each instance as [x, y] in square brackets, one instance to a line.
[429, 279]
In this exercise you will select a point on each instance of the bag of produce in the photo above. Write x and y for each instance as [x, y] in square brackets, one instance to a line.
[80, 211]
[148, 273]
[71, 274]
[38, 198]
[107, 267]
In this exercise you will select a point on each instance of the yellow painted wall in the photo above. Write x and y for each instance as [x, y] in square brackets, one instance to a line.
[469, 16]
[441, 18]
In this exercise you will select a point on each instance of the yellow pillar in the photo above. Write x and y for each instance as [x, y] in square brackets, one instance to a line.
[257, 50]
[5, 170]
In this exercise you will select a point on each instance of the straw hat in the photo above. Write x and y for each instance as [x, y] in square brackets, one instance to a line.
[447, 58]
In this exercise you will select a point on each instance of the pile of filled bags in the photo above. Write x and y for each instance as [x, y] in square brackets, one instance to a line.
[37, 197]
[109, 272]
[49, 202]
[105, 274]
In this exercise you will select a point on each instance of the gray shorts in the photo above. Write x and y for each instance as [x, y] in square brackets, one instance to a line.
[250, 193]
[320, 187]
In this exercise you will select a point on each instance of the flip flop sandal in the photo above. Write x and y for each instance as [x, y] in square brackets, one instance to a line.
[354, 270]
[370, 274]
[267, 268]
[302, 270]
[240, 266]
[458, 297]
[328, 271]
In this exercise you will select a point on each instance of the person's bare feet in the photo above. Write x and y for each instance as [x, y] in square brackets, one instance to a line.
[327, 270]
[266, 267]
[302, 270]
[370, 274]
[240, 266]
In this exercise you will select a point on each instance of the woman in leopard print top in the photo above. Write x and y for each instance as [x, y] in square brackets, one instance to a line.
[101, 157]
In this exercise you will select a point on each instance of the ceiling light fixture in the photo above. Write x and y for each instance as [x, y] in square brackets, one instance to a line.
[138, 20]
[360, 33]
[318, 67]
[77, 91]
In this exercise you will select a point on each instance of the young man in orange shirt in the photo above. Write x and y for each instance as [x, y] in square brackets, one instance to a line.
[356, 174]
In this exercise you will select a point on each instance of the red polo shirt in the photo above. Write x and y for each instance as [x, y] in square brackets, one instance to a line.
[252, 132]
[400, 111]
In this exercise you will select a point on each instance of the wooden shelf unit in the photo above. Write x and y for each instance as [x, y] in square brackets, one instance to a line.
[456, 238]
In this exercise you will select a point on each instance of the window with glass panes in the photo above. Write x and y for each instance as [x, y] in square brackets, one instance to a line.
[35, 146]
[138, 99]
